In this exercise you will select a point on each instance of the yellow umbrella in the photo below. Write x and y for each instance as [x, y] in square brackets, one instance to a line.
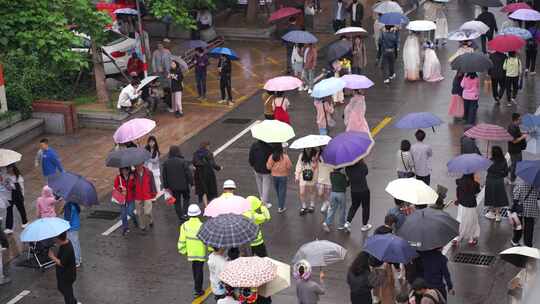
[280, 282]
[8, 157]
[272, 131]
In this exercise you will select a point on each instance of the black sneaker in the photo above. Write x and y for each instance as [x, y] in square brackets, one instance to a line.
[197, 294]
[311, 209]
[302, 211]
[125, 232]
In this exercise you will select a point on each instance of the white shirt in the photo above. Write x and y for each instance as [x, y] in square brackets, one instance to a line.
[338, 13]
[127, 94]
[216, 264]
[227, 300]
[404, 162]
[421, 154]
[354, 11]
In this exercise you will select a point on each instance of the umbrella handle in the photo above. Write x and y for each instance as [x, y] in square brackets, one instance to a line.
[433, 128]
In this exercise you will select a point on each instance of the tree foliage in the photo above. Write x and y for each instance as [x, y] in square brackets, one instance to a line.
[178, 10]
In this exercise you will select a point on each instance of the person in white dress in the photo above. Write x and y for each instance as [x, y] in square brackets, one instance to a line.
[441, 32]
[411, 57]
[153, 163]
[431, 71]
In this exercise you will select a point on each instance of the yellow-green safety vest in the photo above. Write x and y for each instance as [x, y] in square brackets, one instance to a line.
[258, 218]
[188, 242]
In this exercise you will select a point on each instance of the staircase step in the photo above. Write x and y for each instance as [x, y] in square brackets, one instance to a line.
[21, 133]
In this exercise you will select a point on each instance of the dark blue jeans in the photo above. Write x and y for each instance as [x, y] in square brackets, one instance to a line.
[471, 107]
[200, 77]
[125, 211]
[280, 184]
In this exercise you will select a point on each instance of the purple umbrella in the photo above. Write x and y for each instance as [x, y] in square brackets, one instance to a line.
[418, 120]
[357, 82]
[74, 188]
[390, 248]
[468, 163]
[347, 148]
[525, 15]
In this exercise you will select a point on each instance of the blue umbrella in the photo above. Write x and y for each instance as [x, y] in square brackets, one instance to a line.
[74, 188]
[300, 37]
[43, 229]
[522, 33]
[529, 171]
[390, 248]
[530, 121]
[468, 163]
[347, 149]
[224, 51]
[328, 87]
[418, 120]
[393, 19]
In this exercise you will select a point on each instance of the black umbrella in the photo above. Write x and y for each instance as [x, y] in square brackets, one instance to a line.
[487, 3]
[428, 229]
[338, 49]
[472, 62]
[127, 157]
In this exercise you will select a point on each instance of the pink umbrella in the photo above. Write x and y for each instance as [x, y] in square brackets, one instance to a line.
[512, 7]
[282, 83]
[227, 204]
[283, 13]
[357, 82]
[133, 129]
[488, 132]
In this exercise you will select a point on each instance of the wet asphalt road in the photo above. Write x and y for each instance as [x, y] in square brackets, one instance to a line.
[146, 268]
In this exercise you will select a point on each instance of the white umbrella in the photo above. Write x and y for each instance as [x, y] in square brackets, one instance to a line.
[146, 81]
[272, 131]
[518, 256]
[311, 141]
[281, 282]
[463, 35]
[352, 30]
[387, 7]
[421, 25]
[412, 190]
[126, 11]
[474, 25]
[8, 157]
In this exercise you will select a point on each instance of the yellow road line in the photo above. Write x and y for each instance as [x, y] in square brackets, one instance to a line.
[273, 61]
[380, 126]
[203, 298]
[205, 104]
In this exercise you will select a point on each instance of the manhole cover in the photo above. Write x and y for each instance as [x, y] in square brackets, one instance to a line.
[104, 215]
[503, 210]
[237, 121]
[474, 259]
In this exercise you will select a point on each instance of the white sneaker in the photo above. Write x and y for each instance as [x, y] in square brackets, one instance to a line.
[309, 91]
[324, 206]
[497, 218]
[8, 231]
[515, 244]
[366, 227]
[24, 225]
[532, 73]
[490, 215]
[387, 80]
[325, 227]
[347, 225]
[268, 205]
[300, 89]
[170, 110]
[393, 76]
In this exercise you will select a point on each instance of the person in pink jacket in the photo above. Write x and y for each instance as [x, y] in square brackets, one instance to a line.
[46, 203]
[354, 113]
[324, 117]
[471, 93]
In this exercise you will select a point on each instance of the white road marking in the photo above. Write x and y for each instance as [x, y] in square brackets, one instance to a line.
[216, 153]
[17, 298]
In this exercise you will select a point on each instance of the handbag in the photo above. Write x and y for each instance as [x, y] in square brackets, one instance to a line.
[117, 197]
[307, 175]
[169, 198]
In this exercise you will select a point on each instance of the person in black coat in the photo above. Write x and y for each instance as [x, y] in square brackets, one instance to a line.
[468, 144]
[356, 10]
[204, 176]
[358, 279]
[259, 152]
[498, 75]
[488, 19]
[495, 195]
[177, 179]
[66, 272]
[224, 69]
[360, 195]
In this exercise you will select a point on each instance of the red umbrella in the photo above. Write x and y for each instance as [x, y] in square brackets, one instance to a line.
[510, 8]
[488, 132]
[283, 13]
[506, 43]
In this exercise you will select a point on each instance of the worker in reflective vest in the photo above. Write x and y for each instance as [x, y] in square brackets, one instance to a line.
[190, 246]
[259, 214]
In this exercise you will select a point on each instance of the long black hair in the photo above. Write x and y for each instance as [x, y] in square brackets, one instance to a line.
[15, 170]
[156, 146]
[277, 153]
[497, 154]
[360, 264]
[307, 155]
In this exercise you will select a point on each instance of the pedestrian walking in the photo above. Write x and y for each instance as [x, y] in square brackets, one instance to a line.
[280, 166]
[258, 155]
[161, 62]
[436, 273]
[280, 103]
[411, 56]
[193, 248]
[201, 64]
[360, 195]
[16, 183]
[404, 160]
[421, 293]
[517, 145]
[268, 104]
[469, 228]
[297, 61]
[339, 12]
[430, 14]
[260, 215]
[216, 264]
[291, 26]
[498, 76]
[309, 14]
[307, 290]
[531, 50]
[72, 213]
[338, 202]
[178, 179]
[324, 115]
[124, 196]
[468, 144]
[421, 154]
[358, 278]
[359, 56]
[495, 192]
[512, 67]
[324, 185]
[431, 69]
[441, 31]
[383, 281]
[45, 204]
[377, 30]
[354, 114]
[471, 93]
[388, 51]
[4, 245]
[145, 193]
[488, 19]
[456, 107]
[153, 163]
[204, 175]
[526, 197]
[48, 159]
[310, 63]
[177, 87]
[66, 270]
[305, 174]
[356, 11]
[225, 86]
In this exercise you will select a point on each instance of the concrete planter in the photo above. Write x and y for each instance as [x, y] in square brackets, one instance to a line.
[10, 120]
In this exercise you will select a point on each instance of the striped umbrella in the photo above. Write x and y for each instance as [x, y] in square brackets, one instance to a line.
[488, 132]
[227, 231]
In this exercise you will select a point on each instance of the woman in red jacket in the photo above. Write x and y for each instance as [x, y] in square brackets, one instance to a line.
[145, 193]
[123, 195]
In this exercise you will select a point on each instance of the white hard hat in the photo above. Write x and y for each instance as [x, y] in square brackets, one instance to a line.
[194, 210]
[229, 184]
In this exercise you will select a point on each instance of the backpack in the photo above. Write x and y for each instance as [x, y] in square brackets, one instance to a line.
[280, 114]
